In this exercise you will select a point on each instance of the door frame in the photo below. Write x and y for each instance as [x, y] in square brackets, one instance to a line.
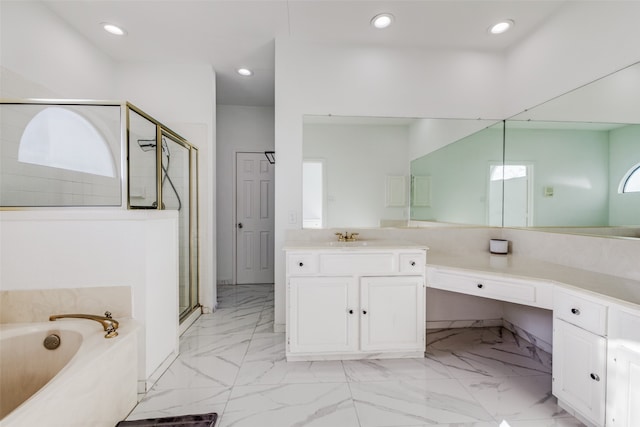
[530, 189]
[234, 213]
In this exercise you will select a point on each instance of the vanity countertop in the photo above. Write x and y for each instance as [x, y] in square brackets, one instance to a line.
[614, 288]
[358, 245]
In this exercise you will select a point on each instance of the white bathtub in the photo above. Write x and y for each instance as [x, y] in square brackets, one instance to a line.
[88, 381]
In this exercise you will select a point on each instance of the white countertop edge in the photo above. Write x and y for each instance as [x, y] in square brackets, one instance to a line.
[359, 245]
[611, 288]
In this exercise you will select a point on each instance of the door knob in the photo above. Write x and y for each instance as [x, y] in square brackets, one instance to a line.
[595, 377]
[240, 225]
[575, 311]
[364, 311]
[480, 285]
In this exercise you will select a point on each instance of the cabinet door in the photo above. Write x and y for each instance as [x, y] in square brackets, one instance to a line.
[623, 370]
[322, 314]
[392, 313]
[579, 370]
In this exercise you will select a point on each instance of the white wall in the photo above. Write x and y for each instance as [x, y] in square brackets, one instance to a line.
[239, 128]
[570, 50]
[358, 158]
[45, 58]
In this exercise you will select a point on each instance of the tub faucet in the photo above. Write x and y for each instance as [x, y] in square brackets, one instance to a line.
[109, 324]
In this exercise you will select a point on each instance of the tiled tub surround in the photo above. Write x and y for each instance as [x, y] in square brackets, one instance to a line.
[88, 381]
[232, 363]
[22, 306]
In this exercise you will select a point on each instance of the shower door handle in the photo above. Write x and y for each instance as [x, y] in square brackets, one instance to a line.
[240, 225]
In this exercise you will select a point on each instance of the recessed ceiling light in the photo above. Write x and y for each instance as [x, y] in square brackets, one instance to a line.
[245, 72]
[382, 20]
[113, 29]
[501, 26]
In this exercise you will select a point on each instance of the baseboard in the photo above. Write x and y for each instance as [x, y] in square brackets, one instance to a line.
[190, 320]
[539, 343]
[145, 385]
[454, 324]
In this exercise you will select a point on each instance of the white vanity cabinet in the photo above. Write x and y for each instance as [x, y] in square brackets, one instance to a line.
[352, 304]
[623, 368]
[580, 355]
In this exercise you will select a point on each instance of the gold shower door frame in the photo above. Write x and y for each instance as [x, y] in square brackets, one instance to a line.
[194, 253]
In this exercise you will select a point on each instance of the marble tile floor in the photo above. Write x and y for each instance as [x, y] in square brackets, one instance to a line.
[231, 362]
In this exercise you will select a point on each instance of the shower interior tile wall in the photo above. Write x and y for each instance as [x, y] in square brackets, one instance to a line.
[26, 184]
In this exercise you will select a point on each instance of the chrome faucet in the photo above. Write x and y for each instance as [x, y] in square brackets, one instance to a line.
[109, 324]
[346, 237]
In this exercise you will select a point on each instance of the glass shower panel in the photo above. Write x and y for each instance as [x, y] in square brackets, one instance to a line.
[142, 162]
[60, 155]
[176, 196]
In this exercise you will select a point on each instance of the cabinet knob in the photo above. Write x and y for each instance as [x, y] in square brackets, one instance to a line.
[575, 311]
[301, 264]
[364, 311]
[595, 377]
[350, 311]
[413, 263]
[480, 286]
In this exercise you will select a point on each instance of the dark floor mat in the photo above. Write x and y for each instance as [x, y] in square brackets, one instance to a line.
[201, 420]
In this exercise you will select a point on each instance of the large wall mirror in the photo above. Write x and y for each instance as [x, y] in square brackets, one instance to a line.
[579, 156]
[378, 171]
[571, 164]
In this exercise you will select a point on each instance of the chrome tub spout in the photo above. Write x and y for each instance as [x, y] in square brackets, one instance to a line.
[109, 324]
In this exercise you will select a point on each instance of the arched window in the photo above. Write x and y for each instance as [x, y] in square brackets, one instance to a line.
[61, 138]
[631, 181]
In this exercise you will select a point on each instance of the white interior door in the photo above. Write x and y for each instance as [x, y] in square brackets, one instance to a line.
[254, 218]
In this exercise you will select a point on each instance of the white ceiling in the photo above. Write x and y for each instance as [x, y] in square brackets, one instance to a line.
[232, 33]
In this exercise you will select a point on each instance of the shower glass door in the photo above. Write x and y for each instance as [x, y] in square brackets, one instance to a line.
[175, 188]
[164, 176]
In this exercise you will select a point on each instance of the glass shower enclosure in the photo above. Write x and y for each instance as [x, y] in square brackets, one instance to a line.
[75, 154]
[162, 174]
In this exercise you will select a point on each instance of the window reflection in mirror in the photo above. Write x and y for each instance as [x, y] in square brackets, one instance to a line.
[578, 170]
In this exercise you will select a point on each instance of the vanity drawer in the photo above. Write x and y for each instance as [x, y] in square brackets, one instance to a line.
[412, 263]
[581, 312]
[512, 290]
[341, 263]
[302, 263]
